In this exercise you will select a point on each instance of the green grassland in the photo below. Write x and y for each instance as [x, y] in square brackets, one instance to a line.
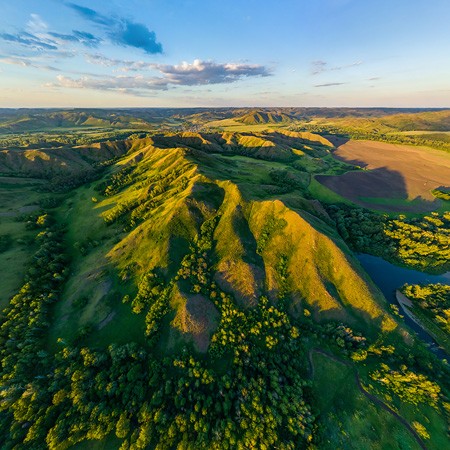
[93, 296]
[180, 288]
[349, 420]
[18, 198]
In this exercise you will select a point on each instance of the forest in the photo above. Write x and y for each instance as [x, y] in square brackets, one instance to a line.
[422, 243]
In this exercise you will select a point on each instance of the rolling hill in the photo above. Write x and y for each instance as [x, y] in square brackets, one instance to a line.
[256, 117]
[174, 298]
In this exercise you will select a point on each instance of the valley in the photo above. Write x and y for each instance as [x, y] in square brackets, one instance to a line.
[190, 279]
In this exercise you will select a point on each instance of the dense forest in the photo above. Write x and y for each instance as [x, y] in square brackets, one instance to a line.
[421, 242]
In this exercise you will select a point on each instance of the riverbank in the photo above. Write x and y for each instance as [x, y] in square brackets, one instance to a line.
[405, 303]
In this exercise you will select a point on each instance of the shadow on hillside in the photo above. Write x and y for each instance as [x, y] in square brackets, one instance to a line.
[381, 189]
[336, 140]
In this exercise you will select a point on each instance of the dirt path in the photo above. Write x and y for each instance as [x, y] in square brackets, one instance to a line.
[370, 396]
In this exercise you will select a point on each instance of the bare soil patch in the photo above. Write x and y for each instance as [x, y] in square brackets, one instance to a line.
[197, 317]
[399, 173]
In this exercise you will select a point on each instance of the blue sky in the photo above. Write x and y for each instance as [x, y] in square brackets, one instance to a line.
[56, 53]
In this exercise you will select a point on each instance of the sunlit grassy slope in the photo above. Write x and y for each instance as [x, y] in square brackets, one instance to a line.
[262, 246]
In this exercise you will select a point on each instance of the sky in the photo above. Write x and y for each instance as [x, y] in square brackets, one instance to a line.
[213, 53]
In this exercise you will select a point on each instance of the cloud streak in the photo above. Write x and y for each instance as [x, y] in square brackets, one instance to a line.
[122, 31]
[319, 66]
[80, 37]
[37, 37]
[328, 84]
[24, 62]
[29, 40]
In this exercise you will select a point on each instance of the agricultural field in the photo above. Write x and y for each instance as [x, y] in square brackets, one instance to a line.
[397, 178]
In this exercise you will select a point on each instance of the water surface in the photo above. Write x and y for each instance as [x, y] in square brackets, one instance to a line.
[389, 277]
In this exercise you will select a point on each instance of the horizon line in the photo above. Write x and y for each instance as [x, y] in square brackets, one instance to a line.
[227, 107]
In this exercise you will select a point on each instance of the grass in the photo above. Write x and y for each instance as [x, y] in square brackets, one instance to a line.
[17, 197]
[251, 175]
[397, 202]
[93, 278]
[13, 264]
[348, 420]
[434, 422]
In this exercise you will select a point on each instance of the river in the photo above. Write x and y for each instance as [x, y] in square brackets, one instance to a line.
[389, 277]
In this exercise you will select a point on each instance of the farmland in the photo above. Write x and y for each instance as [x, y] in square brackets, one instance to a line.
[395, 177]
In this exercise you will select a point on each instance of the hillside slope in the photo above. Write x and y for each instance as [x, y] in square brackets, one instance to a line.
[174, 299]
[162, 199]
[51, 161]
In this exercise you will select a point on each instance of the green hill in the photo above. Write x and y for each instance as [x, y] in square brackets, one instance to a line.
[258, 117]
[174, 299]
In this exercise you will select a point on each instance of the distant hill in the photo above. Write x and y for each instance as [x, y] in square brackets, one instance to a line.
[275, 146]
[34, 120]
[41, 121]
[257, 117]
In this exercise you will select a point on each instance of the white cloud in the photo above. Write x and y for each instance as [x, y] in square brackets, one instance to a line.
[198, 73]
[36, 24]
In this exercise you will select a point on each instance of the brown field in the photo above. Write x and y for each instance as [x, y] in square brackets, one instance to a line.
[397, 177]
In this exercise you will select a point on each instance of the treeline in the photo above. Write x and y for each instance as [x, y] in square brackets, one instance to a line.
[23, 326]
[435, 140]
[422, 243]
[439, 193]
[409, 386]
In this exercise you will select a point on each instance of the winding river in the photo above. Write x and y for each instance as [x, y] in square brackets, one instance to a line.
[389, 277]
